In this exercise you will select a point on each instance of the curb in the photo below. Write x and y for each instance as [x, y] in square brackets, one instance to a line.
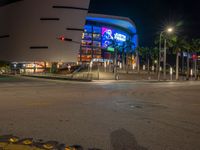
[57, 78]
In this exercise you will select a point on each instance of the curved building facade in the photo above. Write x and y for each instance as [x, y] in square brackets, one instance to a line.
[37, 34]
[30, 30]
[103, 34]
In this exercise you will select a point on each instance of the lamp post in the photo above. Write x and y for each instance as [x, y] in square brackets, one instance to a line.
[156, 68]
[171, 73]
[164, 59]
[15, 67]
[169, 30]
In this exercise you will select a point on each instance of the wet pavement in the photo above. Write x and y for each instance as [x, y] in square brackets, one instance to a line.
[109, 115]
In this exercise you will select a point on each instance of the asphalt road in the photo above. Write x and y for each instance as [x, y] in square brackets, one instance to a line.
[109, 115]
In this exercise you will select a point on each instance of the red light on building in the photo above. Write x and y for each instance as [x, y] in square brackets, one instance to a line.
[62, 38]
[194, 57]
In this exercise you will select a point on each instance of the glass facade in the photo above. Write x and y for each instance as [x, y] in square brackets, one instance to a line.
[99, 42]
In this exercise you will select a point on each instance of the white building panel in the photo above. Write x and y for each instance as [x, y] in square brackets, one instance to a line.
[22, 22]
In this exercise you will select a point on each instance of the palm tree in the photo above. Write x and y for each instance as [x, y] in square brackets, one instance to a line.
[128, 46]
[195, 47]
[114, 43]
[177, 44]
[154, 56]
[123, 58]
[189, 50]
[144, 53]
[138, 52]
[147, 53]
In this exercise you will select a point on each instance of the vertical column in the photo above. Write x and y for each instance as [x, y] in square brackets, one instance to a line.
[164, 61]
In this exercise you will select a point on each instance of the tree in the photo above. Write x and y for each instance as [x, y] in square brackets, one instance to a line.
[154, 56]
[195, 47]
[4, 67]
[143, 56]
[137, 53]
[117, 48]
[145, 53]
[177, 44]
[189, 50]
[128, 47]
[125, 47]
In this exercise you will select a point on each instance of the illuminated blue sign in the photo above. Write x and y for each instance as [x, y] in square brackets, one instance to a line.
[120, 37]
[108, 35]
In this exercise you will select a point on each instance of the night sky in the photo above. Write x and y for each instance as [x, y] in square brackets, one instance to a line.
[150, 16]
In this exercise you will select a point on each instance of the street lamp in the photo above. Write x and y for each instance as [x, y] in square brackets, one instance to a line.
[15, 67]
[168, 30]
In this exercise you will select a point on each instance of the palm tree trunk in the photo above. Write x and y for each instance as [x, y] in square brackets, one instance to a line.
[127, 57]
[115, 61]
[148, 66]
[177, 65]
[138, 62]
[188, 66]
[182, 63]
[195, 68]
[123, 59]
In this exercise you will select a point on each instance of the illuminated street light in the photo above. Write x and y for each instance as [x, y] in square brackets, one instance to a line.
[152, 68]
[15, 68]
[191, 72]
[168, 30]
[15, 65]
[171, 73]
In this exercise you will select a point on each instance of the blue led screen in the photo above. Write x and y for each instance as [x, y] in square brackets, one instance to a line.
[104, 36]
[109, 35]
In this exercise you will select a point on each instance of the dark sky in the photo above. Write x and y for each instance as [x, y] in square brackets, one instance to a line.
[151, 16]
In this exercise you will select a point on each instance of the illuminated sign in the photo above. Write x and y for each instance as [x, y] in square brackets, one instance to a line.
[108, 35]
[120, 37]
[110, 49]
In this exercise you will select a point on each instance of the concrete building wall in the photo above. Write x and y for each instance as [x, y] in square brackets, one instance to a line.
[21, 21]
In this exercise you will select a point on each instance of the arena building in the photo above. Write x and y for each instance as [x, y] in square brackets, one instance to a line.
[37, 34]
[103, 34]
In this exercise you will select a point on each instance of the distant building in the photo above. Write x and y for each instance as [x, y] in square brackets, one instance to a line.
[103, 33]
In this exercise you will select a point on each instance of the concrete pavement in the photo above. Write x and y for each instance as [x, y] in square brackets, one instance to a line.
[109, 115]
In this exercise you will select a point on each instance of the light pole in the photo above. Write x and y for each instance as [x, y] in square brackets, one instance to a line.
[169, 30]
[15, 67]
[164, 59]
[156, 68]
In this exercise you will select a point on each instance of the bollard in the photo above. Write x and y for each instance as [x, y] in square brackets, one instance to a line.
[171, 73]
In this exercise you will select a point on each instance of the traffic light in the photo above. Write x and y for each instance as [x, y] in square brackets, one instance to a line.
[62, 38]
